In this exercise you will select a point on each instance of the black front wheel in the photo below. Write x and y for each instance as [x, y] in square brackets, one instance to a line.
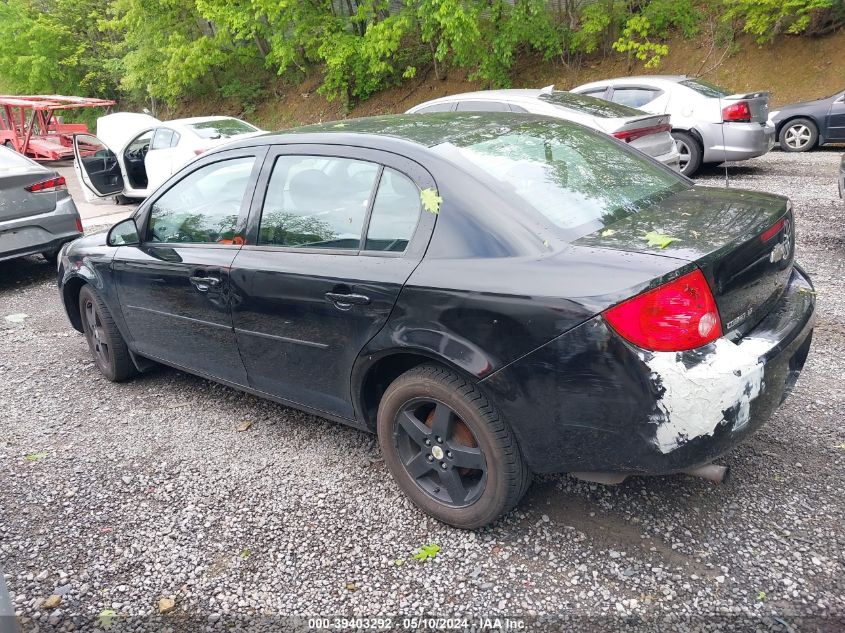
[104, 339]
[448, 448]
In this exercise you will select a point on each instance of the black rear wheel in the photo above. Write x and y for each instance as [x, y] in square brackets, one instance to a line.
[104, 340]
[448, 448]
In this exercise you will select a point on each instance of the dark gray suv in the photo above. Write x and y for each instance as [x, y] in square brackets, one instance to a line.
[37, 214]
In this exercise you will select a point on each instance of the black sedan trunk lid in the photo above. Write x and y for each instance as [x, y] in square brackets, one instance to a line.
[743, 241]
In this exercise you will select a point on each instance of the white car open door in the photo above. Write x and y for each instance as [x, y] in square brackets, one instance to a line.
[162, 155]
[96, 167]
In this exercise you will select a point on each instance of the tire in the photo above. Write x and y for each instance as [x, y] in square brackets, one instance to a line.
[798, 135]
[104, 340]
[691, 152]
[484, 455]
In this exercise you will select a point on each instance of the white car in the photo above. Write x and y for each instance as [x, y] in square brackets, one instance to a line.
[132, 154]
[646, 132]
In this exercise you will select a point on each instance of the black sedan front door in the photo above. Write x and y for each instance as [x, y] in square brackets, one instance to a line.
[174, 287]
[333, 236]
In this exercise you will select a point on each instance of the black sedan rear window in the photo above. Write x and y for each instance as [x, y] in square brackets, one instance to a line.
[579, 179]
[222, 128]
[589, 105]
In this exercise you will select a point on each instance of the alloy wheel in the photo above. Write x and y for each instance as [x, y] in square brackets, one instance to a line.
[684, 151]
[797, 136]
[440, 453]
[96, 334]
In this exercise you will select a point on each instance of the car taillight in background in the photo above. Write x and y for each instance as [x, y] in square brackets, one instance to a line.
[79, 228]
[200, 150]
[677, 316]
[739, 112]
[632, 135]
[51, 184]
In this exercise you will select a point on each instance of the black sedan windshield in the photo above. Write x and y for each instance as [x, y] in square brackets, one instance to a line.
[579, 179]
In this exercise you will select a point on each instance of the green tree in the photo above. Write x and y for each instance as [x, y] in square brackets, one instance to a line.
[767, 18]
[55, 46]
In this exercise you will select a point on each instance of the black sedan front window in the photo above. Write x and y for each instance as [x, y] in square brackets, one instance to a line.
[579, 179]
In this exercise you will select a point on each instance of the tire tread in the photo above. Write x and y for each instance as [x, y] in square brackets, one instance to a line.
[516, 473]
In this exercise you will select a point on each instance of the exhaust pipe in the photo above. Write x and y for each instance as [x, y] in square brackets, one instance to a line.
[711, 472]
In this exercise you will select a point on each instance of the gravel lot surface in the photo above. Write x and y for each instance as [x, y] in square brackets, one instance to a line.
[113, 497]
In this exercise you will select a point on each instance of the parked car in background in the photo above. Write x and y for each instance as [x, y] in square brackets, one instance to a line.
[645, 132]
[842, 178]
[37, 214]
[710, 124]
[492, 295]
[803, 126]
[134, 153]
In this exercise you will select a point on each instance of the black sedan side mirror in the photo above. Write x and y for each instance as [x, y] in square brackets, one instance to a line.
[123, 233]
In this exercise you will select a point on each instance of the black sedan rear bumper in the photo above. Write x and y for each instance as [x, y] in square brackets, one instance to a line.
[590, 401]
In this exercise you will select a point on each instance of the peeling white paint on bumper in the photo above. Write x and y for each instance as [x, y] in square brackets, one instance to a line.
[696, 398]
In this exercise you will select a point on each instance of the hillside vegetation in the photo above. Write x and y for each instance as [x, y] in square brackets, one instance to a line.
[244, 56]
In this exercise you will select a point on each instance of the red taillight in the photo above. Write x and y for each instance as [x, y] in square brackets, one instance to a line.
[51, 184]
[633, 135]
[676, 316]
[774, 230]
[79, 228]
[739, 111]
[200, 150]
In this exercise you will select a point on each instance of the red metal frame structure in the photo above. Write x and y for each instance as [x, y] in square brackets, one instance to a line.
[29, 124]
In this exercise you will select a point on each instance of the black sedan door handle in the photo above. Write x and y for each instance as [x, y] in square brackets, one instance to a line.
[203, 284]
[343, 299]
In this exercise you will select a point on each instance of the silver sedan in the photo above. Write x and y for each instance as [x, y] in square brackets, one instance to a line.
[37, 214]
[645, 132]
[710, 124]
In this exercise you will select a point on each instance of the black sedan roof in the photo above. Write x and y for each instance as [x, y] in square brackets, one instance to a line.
[427, 130]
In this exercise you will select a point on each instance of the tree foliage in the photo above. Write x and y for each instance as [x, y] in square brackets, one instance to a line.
[170, 50]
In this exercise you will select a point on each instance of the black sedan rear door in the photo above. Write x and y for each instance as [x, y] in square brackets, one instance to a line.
[333, 235]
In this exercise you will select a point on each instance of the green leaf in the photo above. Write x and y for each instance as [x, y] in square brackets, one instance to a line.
[761, 596]
[430, 200]
[608, 233]
[34, 457]
[246, 553]
[660, 240]
[399, 562]
[426, 552]
[105, 620]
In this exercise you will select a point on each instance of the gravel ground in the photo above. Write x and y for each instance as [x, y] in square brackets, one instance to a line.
[113, 497]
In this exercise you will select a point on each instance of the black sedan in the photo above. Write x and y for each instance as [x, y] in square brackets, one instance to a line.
[494, 295]
[803, 126]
